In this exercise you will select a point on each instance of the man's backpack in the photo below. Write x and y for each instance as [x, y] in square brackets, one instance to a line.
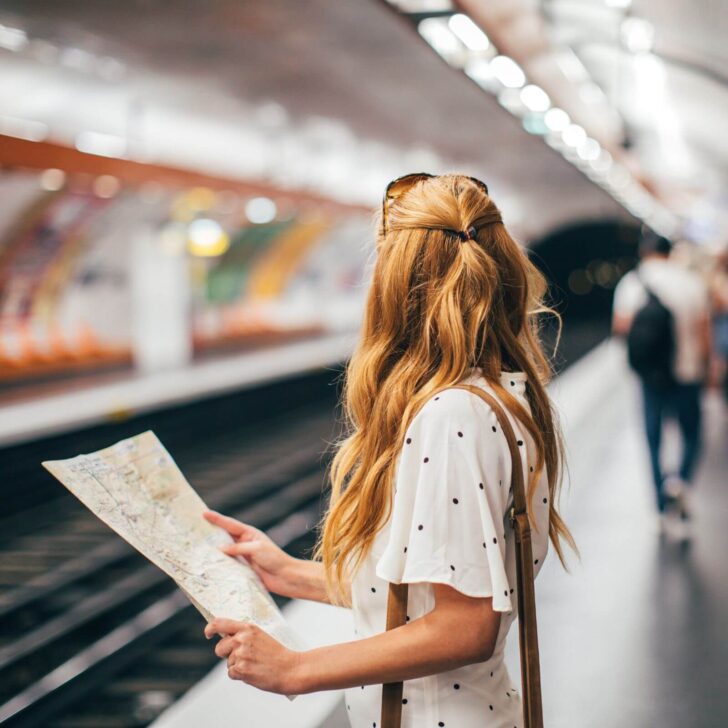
[651, 342]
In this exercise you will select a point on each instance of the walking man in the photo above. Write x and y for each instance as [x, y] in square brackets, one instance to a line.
[662, 309]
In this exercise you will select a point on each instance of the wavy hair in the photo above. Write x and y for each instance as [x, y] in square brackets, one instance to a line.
[437, 306]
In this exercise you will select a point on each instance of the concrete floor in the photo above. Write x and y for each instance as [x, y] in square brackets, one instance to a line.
[637, 634]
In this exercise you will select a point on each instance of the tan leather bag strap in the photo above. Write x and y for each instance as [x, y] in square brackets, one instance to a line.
[527, 633]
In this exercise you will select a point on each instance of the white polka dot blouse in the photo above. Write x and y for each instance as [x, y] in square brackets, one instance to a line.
[450, 525]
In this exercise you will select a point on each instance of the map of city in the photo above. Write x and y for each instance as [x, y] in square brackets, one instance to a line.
[136, 488]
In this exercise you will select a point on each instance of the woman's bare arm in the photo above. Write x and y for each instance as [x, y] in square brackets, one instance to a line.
[307, 581]
[460, 630]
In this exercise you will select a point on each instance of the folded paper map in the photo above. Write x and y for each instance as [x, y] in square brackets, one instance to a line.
[136, 488]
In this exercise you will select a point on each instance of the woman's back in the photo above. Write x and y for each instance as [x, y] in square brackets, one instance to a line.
[453, 299]
[450, 524]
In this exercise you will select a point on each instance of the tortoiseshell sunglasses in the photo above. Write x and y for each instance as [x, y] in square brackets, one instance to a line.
[399, 186]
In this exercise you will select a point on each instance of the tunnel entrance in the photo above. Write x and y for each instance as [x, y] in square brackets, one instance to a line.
[583, 263]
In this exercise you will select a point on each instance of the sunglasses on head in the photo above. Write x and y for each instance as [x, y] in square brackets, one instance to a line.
[397, 187]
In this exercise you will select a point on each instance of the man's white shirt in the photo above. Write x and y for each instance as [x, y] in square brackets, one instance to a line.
[685, 294]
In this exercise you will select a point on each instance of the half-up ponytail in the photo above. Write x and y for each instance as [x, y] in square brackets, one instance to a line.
[451, 291]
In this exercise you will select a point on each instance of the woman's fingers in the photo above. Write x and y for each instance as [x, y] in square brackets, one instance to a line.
[224, 627]
[246, 549]
[234, 527]
[240, 548]
[225, 646]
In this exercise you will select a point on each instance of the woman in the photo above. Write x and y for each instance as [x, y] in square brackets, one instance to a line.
[420, 486]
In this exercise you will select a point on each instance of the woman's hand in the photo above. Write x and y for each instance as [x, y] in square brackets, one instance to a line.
[272, 564]
[256, 658]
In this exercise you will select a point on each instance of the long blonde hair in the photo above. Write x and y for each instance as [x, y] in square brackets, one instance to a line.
[437, 306]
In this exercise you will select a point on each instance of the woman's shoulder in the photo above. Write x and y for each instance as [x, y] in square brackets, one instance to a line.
[458, 402]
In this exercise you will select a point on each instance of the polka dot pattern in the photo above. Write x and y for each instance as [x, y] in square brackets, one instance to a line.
[448, 525]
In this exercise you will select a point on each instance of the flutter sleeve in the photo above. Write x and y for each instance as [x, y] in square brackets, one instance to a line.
[451, 494]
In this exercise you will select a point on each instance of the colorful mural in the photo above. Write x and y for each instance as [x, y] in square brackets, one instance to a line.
[67, 271]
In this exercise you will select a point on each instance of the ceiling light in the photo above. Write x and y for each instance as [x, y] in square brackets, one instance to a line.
[573, 135]
[106, 186]
[206, 238]
[52, 180]
[260, 210]
[533, 124]
[468, 32]
[435, 31]
[199, 199]
[638, 35]
[556, 119]
[481, 72]
[589, 149]
[535, 98]
[508, 72]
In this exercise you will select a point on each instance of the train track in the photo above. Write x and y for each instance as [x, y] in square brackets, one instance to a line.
[91, 634]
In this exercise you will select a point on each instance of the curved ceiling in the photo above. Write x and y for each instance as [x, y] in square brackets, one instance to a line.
[663, 65]
[333, 97]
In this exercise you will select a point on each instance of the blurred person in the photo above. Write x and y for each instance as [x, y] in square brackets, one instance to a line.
[662, 310]
[719, 302]
[420, 483]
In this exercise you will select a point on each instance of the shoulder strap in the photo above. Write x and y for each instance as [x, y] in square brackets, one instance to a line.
[528, 635]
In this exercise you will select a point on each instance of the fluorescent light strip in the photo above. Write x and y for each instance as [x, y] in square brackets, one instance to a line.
[461, 43]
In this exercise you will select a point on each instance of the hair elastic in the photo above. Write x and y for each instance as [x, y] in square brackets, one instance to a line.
[468, 234]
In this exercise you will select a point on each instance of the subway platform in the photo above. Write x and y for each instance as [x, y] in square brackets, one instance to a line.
[633, 636]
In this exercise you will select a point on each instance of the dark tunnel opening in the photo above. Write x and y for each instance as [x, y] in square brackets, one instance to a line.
[583, 263]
